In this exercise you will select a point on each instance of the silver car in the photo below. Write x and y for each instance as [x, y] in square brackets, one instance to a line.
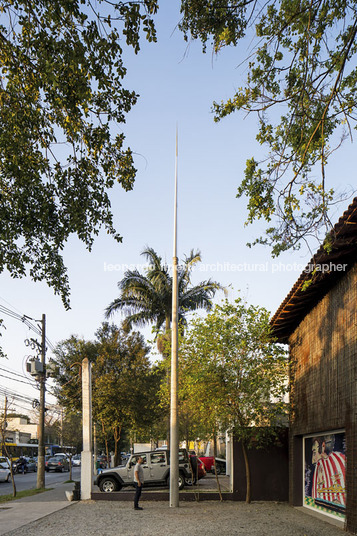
[156, 467]
[5, 473]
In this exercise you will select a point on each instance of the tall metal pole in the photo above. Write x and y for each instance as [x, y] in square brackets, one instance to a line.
[174, 438]
[41, 426]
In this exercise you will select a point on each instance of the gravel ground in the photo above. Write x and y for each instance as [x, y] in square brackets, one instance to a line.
[104, 518]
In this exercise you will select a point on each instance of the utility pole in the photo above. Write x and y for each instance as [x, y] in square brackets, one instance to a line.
[61, 438]
[174, 439]
[3, 425]
[41, 427]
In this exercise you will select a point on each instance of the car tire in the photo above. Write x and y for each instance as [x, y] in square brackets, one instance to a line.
[181, 481]
[108, 484]
[188, 481]
[8, 478]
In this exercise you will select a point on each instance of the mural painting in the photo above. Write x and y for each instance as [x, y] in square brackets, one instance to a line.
[325, 468]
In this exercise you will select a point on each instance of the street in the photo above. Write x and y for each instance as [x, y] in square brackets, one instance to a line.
[29, 480]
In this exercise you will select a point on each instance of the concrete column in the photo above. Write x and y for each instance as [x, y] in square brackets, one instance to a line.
[228, 454]
[229, 459]
[87, 456]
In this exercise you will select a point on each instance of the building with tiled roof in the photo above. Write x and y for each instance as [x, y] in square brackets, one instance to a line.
[318, 319]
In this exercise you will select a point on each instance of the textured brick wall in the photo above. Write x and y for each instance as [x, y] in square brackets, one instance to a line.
[323, 373]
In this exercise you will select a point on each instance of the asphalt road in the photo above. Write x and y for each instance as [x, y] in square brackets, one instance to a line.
[29, 480]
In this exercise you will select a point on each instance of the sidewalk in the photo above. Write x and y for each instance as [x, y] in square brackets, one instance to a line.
[20, 512]
[48, 514]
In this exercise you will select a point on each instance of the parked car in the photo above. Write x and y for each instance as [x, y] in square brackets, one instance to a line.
[5, 473]
[209, 464]
[76, 460]
[57, 463]
[124, 458]
[102, 462]
[156, 467]
[31, 465]
[4, 462]
[62, 456]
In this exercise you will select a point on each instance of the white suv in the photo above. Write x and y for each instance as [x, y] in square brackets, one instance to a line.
[156, 467]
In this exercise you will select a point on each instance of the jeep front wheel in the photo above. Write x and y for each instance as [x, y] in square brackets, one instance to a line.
[181, 481]
[108, 485]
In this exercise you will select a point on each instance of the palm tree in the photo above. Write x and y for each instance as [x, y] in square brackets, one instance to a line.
[147, 298]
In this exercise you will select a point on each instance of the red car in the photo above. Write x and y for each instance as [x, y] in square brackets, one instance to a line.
[209, 464]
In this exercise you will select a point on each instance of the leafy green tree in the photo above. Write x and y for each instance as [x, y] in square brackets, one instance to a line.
[147, 298]
[302, 66]
[120, 398]
[194, 419]
[234, 376]
[124, 388]
[67, 376]
[61, 92]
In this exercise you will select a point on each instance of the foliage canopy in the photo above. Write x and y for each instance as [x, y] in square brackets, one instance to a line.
[303, 68]
[233, 375]
[123, 384]
[147, 298]
[61, 102]
[233, 371]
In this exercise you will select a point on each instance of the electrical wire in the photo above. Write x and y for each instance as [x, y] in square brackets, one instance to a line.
[15, 394]
[14, 379]
[14, 373]
[26, 320]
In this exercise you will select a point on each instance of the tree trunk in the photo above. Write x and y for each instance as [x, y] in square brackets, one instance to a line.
[106, 447]
[187, 439]
[215, 466]
[247, 473]
[70, 466]
[117, 435]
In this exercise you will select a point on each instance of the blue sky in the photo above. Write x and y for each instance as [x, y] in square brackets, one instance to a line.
[177, 85]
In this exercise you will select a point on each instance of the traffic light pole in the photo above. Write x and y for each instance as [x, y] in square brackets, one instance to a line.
[41, 426]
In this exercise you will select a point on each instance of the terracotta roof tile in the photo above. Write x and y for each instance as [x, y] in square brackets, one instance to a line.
[311, 286]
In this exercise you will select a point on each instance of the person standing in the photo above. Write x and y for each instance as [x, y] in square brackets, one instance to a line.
[138, 480]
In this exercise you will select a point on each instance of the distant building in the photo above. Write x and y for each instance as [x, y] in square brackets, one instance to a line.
[318, 319]
[20, 425]
[15, 436]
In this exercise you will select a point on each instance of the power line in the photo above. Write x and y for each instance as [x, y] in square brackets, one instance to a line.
[10, 392]
[25, 320]
[14, 373]
[16, 380]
